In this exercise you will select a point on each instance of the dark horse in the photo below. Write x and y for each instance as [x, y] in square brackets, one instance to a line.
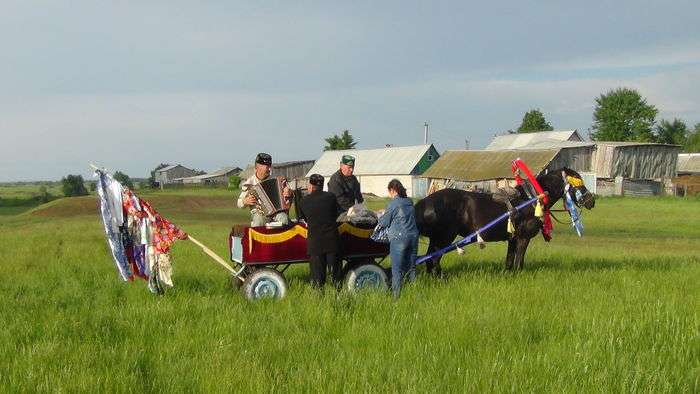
[446, 213]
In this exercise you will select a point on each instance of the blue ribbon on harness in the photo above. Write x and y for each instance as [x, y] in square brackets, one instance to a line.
[573, 211]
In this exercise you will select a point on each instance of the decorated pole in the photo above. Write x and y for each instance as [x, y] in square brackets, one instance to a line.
[204, 248]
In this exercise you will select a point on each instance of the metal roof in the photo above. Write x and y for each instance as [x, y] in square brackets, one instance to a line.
[399, 160]
[520, 140]
[631, 143]
[168, 168]
[556, 144]
[689, 163]
[291, 163]
[479, 165]
[219, 172]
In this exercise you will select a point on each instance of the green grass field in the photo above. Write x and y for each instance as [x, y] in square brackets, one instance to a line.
[615, 311]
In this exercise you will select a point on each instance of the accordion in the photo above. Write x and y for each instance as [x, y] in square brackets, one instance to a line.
[269, 195]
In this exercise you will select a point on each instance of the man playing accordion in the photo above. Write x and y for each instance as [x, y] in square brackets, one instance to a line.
[263, 163]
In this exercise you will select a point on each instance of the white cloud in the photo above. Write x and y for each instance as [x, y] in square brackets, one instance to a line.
[61, 134]
[672, 54]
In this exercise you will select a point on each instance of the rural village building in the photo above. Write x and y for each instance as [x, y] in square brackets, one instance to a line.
[294, 171]
[482, 170]
[634, 168]
[168, 174]
[375, 168]
[608, 168]
[687, 183]
[688, 164]
[218, 177]
[533, 140]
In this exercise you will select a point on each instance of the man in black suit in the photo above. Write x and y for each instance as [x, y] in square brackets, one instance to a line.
[323, 244]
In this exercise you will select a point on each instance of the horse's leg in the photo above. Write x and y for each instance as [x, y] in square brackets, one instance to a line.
[520, 249]
[511, 254]
[430, 264]
[433, 265]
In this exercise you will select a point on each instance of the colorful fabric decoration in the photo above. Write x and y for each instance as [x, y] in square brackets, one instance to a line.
[480, 241]
[573, 211]
[139, 238]
[109, 193]
[510, 228]
[575, 182]
[519, 167]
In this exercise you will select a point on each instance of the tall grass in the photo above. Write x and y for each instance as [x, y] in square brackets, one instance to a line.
[614, 311]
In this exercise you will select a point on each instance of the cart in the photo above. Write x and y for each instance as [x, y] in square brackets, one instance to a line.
[261, 255]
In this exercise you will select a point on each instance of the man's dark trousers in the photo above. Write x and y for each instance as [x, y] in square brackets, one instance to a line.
[321, 263]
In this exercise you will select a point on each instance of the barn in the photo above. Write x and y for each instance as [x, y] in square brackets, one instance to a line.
[688, 181]
[218, 177]
[619, 168]
[294, 171]
[482, 170]
[167, 175]
[634, 168]
[374, 168]
[540, 139]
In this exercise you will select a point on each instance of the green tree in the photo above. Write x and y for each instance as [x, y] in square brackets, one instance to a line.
[234, 182]
[124, 179]
[73, 185]
[534, 121]
[675, 132]
[152, 178]
[44, 196]
[623, 115]
[340, 142]
[692, 143]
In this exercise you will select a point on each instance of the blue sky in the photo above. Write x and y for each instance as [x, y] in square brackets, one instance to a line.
[209, 84]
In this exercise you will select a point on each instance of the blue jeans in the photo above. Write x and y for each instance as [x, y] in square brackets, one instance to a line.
[403, 261]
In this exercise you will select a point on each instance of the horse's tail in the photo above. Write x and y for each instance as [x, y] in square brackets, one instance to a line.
[421, 222]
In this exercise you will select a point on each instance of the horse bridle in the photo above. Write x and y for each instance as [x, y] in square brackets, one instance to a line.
[576, 184]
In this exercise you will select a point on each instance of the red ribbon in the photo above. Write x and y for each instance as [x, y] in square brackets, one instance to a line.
[517, 166]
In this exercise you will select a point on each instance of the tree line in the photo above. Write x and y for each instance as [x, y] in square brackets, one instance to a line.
[622, 114]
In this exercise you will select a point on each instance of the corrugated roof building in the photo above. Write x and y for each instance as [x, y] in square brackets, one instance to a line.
[533, 140]
[688, 181]
[168, 174]
[218, 177]
[641, 168]
[635, 160]
[294, 171]
[489, 170]
[375, 168]
[689, 164]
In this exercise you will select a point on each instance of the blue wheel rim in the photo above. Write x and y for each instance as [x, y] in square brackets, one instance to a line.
[265, 288]
[368, 280]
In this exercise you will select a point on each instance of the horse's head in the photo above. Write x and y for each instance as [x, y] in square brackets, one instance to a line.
[577, 190]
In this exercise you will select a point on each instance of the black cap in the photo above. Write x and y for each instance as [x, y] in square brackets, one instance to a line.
[316, 180]
[263, 158]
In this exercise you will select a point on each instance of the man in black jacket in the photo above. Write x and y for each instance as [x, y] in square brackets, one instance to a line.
[323, 244]
[344, 185]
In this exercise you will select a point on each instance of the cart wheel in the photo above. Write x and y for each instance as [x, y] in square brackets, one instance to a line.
[264, 283]
[366, 276]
